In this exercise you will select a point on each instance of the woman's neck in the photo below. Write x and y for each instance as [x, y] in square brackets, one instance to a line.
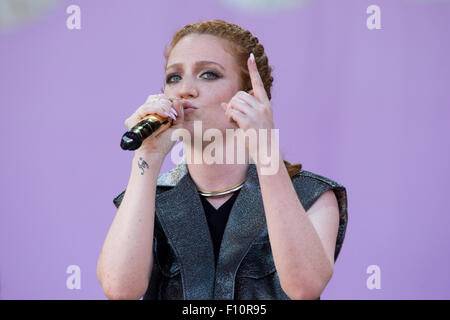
[214, 177]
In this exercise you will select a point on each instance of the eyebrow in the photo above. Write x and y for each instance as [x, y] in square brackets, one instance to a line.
[198, 64]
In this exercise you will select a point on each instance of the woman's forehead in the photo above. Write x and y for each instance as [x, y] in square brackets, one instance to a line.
[201, 48]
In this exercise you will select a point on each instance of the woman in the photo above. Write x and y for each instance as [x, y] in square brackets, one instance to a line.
[219, 231]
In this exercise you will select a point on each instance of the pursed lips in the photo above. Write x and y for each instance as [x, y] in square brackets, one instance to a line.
[188, 106]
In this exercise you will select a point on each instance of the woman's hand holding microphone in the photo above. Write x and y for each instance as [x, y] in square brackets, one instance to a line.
[159, 144]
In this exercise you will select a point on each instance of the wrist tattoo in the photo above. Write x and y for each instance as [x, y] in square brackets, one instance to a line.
[142, 165]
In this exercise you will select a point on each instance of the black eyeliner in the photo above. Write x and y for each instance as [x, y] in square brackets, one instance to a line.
[217, 75]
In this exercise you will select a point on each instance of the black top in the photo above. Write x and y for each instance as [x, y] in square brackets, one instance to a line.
[217, 219]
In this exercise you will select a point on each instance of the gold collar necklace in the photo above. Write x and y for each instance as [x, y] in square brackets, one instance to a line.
[222, 192]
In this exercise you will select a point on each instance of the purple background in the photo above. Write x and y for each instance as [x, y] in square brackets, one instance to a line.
[367, 108]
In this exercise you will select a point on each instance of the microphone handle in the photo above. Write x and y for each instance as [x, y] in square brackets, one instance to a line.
[150, 125]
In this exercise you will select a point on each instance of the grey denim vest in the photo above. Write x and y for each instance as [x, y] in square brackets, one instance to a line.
[184, 264]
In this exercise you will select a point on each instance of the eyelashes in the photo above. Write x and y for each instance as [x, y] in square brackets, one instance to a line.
[215, 75]
[170, 76]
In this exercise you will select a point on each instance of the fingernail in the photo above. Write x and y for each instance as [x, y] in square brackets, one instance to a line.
[173, 111]
[252, 57]
[173, 116]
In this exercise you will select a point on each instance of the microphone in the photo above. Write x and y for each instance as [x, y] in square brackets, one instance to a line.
[150, 125]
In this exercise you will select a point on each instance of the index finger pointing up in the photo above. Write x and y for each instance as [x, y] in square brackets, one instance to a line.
[255, 77]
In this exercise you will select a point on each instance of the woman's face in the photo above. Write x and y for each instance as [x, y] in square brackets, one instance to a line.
[205, 84]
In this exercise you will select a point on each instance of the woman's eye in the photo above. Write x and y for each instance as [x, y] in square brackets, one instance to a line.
[211, 76]
[170, 77]
[215, 76]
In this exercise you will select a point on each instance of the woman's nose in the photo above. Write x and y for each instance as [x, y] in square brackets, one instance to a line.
[187, 90]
